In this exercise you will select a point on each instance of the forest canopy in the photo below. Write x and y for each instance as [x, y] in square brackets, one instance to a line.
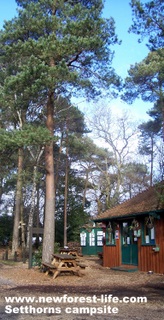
[57, 168]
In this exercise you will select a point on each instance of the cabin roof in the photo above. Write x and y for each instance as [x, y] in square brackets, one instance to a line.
[150, 200]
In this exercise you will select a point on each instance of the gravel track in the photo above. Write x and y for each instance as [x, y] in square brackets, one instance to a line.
[19, 281]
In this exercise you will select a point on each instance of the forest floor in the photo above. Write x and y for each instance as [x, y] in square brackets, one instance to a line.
[98, 294]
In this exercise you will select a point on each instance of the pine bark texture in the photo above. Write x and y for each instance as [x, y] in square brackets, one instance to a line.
[49, 234]
[18, 200]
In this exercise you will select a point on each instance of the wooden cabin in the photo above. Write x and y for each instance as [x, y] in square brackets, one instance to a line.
[134, 232]
[91, 237]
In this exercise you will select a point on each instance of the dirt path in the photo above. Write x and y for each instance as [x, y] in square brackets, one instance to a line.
[99, 294]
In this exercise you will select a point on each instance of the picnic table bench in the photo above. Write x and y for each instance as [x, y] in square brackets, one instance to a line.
[48, 267]
[73, 252]
[62, 263]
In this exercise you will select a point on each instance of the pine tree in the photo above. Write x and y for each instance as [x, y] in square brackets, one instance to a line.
[148, 22]
[53, 48]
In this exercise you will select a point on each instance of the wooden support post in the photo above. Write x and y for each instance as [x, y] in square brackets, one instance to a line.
[6, 255]
[15, 256]
[24, 255]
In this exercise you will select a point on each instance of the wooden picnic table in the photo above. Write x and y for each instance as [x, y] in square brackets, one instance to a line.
[62, 263]
[73, 252]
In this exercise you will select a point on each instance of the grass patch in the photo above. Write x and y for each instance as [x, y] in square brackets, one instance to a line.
[8, 262]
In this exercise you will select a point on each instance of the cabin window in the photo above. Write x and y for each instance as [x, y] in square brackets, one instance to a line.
[100, 238]
[92, 239]
[148, 233]
[126, 234]
[110, 234]
[83, 237]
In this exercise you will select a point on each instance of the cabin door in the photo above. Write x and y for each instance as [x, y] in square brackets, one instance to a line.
[129, 244]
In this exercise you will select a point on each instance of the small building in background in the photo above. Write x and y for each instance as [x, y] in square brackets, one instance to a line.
[91, 239]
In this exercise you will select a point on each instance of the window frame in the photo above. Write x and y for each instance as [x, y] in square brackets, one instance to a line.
[92, 239]
[111, 233]
[83, 239]
[149, 233]
[99, 238]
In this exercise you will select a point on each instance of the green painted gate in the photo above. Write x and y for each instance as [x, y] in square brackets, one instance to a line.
[129, 244]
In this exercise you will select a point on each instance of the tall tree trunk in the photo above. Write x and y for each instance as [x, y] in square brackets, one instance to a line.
[65, 198]
[108, 183]
[49, 221]
[37, 216]
[85, 187]
[58, 159]
[31, 214]
[18, 199]
[22, 225]
[151, 160]
[35, 171]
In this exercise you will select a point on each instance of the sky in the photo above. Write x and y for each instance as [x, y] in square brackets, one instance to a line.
[126, 54]
[130, 51]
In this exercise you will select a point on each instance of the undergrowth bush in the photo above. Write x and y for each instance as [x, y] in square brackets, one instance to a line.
[37, 255]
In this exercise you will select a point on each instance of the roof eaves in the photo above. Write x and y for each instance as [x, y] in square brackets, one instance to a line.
[128, 215]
